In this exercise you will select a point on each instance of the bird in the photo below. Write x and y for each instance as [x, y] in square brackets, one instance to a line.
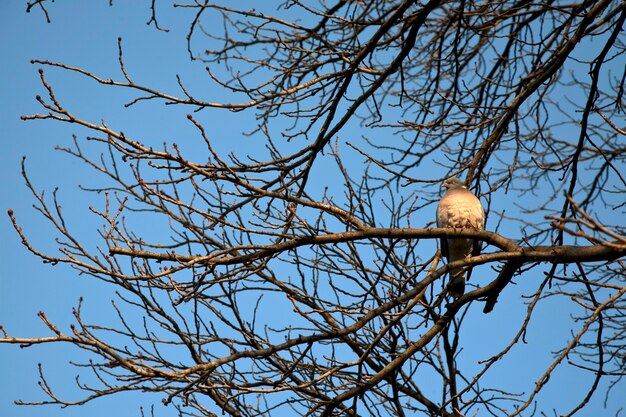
[459, 208]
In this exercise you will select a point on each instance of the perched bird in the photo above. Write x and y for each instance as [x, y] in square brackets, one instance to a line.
[460, 209]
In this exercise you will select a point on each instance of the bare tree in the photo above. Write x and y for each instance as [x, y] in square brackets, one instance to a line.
[304, 278]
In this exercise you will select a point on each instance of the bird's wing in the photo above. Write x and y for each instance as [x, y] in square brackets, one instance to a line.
[442, 221]
[479, 224]
[444, 246]
[476, 220]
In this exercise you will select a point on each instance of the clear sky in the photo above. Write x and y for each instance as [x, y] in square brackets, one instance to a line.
[85, 34]
[81, 33]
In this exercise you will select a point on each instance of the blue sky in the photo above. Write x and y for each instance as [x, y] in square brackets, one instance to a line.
[85, 34]
[81, 34]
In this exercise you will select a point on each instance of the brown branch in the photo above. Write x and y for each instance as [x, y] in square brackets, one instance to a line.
[558, 254]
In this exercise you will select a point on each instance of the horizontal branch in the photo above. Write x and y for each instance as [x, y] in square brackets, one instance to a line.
[511, 250]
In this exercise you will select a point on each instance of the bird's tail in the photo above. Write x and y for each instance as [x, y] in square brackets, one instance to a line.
[456, 287]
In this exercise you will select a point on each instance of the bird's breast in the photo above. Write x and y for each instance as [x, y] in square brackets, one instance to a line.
[461, 215]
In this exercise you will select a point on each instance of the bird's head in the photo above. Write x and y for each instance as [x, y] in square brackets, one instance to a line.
[453, 183]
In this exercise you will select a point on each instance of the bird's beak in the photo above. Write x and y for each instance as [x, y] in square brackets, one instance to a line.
[444, 185]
